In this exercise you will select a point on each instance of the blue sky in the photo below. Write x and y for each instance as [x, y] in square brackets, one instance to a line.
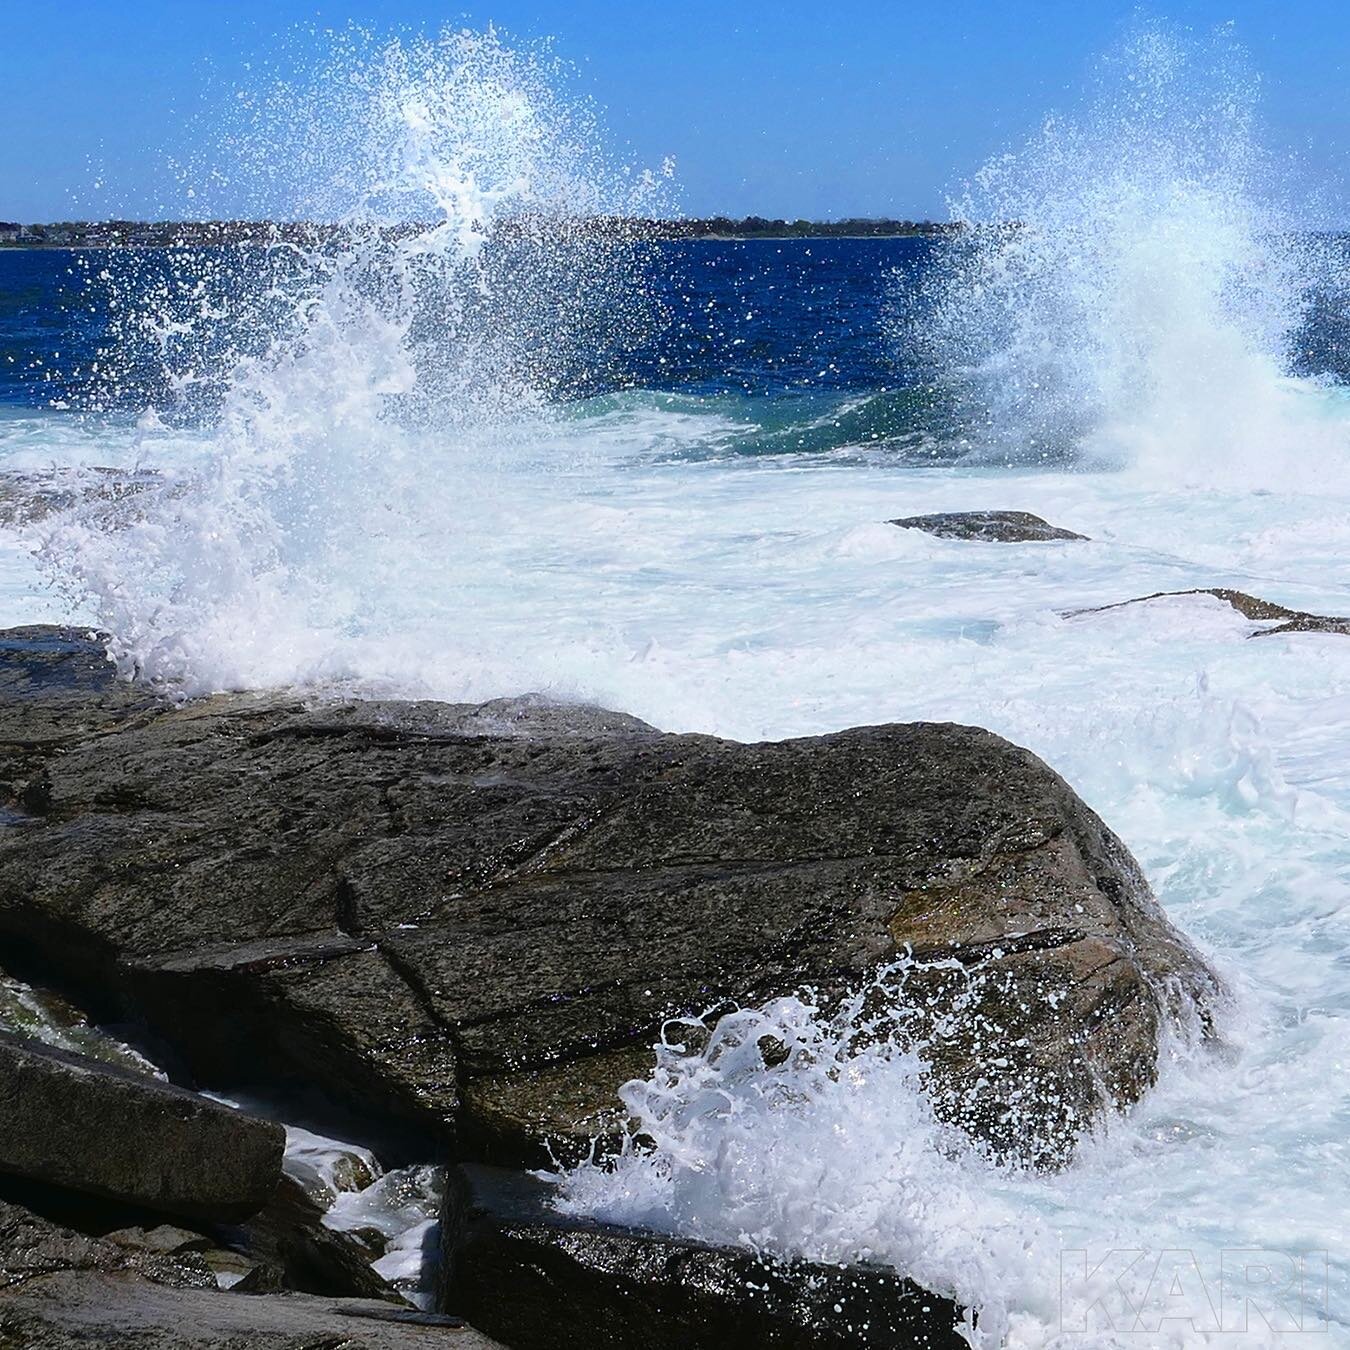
[861, 107]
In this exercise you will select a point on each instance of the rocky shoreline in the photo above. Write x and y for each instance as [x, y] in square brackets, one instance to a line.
[458, 930]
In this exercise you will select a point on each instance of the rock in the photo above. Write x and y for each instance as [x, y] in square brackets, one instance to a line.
[539, 1281]
[29, 497]
[474, 920]
[988, 527]
[61, 1289]
[164, 1239]
[231, 1269]
[55, 685]
[1278, 618]
[286, 1244]
[236, 1272]
[104, 1224]
[32, 1246]
[70, 1121]
[288, 1240]
[71, 1312]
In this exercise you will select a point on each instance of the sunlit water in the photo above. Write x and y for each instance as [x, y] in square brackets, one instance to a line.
[709, 552]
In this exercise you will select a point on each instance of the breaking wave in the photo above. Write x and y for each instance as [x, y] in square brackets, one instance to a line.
[1133, 282]
[339, 399]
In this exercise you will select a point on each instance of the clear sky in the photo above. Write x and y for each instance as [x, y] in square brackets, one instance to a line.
[856, 107]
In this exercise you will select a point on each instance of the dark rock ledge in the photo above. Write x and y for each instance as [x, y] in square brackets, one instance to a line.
[68, 1122]
[508, 1252]
[988, 527]
[469, 922]
[1277, 618]
[63, 1290]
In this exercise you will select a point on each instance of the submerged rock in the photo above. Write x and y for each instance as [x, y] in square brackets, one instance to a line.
[988, 527]
[540, 1281]
[26, 498]
[1278, 618]
[70, 1121]
[474, 919]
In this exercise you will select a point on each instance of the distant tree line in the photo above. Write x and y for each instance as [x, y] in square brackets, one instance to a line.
[155, 234]
[763, 227]
[196, 234]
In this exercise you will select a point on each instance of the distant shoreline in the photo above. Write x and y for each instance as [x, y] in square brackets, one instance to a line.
[198, 234]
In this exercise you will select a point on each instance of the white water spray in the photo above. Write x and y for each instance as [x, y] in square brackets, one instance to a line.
[360, 392]
[1132, 283]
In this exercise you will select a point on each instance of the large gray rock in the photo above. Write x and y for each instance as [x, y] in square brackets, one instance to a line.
[539, 1281]
[74, 1122]
[475, 919]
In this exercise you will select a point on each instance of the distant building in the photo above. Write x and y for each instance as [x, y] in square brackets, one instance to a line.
[9, 231]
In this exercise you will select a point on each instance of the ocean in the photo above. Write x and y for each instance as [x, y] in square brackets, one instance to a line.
[436, 462]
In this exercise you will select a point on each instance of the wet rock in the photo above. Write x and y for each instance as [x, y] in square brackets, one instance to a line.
[71, 1312]
[288, 1240]
[474, 919]
[32, 1246]
[73, 1122]
[231, 1269]
[988, 527]
[539, 1281]
[61, 1289]
[164, 1239]
[26, 498]
[236, 1272]
[285, 1246]
[1276, 618]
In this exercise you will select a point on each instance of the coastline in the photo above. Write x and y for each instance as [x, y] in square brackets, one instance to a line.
[197, 234]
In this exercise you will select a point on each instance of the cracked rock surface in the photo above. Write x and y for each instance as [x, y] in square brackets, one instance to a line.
[473, 919]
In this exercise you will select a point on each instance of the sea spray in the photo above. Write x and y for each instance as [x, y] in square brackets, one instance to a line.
[802, 1132]
[353, 395]
[1132, 281]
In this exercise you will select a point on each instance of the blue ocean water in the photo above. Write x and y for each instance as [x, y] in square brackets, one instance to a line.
[757, 317]
[764, 318]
